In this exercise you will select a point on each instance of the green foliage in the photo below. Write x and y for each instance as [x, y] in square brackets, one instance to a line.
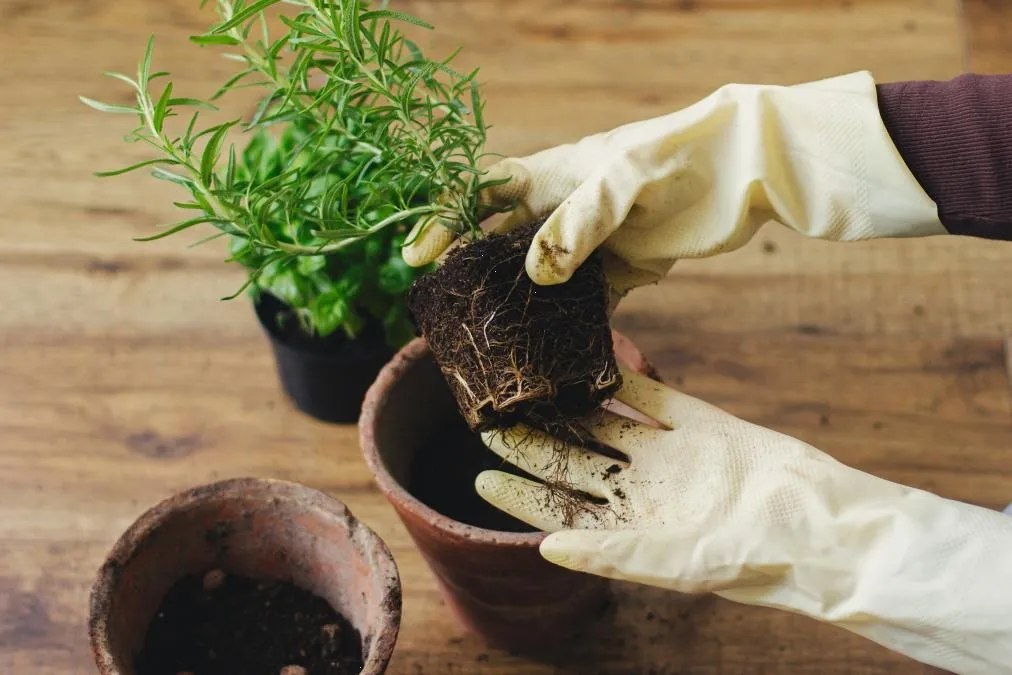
[357, 136]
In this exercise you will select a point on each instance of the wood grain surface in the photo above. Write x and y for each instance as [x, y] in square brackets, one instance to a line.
[124, 379]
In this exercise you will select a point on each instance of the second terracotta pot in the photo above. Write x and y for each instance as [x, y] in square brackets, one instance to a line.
[257, 528]
[496, 583]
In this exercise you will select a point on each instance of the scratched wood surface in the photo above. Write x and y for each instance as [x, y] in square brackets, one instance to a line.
[123, 379]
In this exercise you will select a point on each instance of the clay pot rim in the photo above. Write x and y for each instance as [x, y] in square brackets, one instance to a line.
[363, 538]
[375, 400]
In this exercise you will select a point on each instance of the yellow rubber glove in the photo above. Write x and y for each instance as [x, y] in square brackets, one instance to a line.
[815, 157]
[716, 504]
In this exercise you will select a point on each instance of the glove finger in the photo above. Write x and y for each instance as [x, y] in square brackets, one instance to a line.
[427, 241]
[625, 434]
[553, 460]
[679, 560]
[516, 188]
[579, 225]
[432, 238]
[538, 505]
[656, 400]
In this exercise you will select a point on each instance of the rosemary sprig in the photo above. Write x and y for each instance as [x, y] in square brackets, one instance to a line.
[357, 135]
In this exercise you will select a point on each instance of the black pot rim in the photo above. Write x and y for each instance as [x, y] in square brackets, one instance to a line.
[265, 313]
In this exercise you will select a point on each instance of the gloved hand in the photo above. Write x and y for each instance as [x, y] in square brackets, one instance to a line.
[815, 157]
[715, 504]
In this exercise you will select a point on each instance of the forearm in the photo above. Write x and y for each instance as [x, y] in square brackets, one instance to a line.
[921, 575]
[947, 599]
[956, 138]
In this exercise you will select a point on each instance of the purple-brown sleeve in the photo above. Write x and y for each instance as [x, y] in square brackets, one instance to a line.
[956, 137]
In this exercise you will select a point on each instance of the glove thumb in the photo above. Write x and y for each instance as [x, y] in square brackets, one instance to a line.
[678, 560]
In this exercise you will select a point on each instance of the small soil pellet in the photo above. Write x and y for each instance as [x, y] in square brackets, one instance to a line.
[218, 624]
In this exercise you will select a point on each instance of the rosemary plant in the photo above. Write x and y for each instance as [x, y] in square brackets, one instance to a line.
[357, 136]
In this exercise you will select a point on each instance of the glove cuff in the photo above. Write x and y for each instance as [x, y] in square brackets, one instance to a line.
[840, 176]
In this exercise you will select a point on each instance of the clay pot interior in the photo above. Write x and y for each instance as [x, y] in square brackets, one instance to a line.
[263, 529]
[404, 420]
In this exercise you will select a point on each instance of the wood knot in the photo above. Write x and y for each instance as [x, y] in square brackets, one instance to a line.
[152, 444]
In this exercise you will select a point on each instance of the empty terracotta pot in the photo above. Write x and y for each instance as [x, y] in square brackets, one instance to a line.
[263, 529]
[496, 583]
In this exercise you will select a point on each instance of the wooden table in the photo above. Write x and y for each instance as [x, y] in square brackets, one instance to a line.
[124, 379]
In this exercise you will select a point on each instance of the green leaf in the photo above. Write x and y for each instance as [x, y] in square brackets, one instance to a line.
[215, 40]
[312, 45]
[399, 16]
[308, 264]
[210, 156]
[289, 287]
[188, 136]
[350, 26]
[192, 102]
[341, 233]
[329, 311]
[396, 276]
[231, 82]
[108, 107]
[144, 70]
[262, 108]
[230, 168]
[162, 174]
[208, 238]
[121, 77]
[243, 15]
[178, 227]
[161, 107]
[139, 165]
[476, 107]
[300, 26]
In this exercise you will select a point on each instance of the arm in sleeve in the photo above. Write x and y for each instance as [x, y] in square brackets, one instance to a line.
[956, 138]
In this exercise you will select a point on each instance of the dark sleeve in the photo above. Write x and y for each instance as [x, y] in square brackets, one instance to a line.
[956, 137]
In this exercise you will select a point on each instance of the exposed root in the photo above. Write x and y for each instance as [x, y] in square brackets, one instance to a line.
[513, 351]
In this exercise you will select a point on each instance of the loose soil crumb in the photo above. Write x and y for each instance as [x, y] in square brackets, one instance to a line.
[443, 473]
[513, 351]
[225, 625]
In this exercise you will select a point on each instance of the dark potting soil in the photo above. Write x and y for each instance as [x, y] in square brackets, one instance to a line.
[442, 477]
[245, 627]
[513, 351]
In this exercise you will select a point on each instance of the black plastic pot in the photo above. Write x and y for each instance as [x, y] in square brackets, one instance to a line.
[326, 378]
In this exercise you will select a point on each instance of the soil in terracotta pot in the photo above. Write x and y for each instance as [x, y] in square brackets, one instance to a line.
[224, 625]
[443, 473]
[513, 351]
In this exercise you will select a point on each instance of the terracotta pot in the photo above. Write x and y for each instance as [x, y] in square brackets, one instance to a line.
[326, 378]
[263, 529]
[496, 583]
